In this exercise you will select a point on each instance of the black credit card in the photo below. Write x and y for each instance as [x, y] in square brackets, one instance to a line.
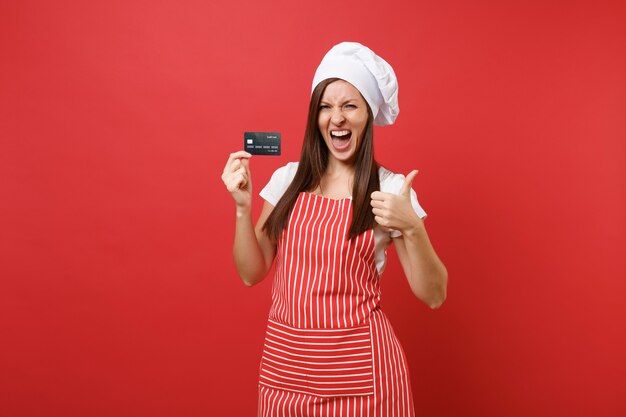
[262, 143]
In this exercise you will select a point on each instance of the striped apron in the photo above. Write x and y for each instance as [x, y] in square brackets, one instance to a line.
[329, 349]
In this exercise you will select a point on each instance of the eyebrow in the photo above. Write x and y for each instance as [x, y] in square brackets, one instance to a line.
[345, 102]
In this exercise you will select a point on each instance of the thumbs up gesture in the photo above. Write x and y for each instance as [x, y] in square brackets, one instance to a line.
[395, 211]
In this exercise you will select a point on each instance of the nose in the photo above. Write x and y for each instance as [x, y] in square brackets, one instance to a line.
[337, 117]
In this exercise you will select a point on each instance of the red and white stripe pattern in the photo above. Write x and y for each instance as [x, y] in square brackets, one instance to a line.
[322, 362]
[322, 280]
[329, 349]
[392, 389]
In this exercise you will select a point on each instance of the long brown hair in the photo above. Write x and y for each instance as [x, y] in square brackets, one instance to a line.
[311, 168]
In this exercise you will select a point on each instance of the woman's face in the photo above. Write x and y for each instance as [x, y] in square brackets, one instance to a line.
[342, 119]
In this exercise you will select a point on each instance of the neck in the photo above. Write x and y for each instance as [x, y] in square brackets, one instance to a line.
[339, 169]
[337, 180]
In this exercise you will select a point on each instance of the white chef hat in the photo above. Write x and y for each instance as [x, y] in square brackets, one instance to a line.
[369, 73]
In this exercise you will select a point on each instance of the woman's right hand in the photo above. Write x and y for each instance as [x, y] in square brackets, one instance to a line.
[236, 177]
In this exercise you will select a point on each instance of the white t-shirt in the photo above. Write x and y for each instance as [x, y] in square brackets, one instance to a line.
[389, 183]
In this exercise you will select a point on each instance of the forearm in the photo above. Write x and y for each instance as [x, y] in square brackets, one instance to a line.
[247, 252]
[426, 274]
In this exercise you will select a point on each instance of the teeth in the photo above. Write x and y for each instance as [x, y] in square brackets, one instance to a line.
[340, 133]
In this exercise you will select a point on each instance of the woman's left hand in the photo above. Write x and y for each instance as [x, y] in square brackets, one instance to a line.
[396, 211]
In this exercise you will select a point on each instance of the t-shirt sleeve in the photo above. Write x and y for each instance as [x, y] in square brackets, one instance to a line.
[277, 185]
[393, 184]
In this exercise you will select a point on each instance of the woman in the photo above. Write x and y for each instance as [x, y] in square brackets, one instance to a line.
[328, 219]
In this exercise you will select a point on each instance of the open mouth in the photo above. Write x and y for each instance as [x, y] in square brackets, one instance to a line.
[341, 139]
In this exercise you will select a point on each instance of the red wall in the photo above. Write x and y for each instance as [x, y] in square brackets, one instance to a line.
[118, 295]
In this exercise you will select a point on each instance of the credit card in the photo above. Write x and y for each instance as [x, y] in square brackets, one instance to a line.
[262, 143]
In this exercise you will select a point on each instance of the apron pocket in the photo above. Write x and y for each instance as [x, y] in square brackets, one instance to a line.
[320, 362]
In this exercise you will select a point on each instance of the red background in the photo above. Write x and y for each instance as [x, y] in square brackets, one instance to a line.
[118, 292]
